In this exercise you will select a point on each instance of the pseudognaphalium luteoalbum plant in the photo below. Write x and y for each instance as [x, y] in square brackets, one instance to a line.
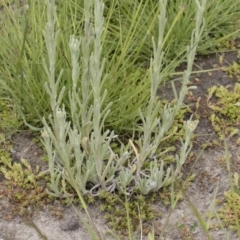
[80, 152]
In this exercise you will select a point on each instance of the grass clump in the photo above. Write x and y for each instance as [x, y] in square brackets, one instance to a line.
[126, 44]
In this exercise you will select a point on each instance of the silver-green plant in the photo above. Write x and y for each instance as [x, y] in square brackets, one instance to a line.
[156, 125]
[80, 151]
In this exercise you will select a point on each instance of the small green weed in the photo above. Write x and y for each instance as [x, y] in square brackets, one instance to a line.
[114, 208]
[187, 231]
[234, 69]
[229, 213]
[139, 207]
[23, 186]
[225, 104]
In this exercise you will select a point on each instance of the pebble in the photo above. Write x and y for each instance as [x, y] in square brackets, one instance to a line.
[70, 225]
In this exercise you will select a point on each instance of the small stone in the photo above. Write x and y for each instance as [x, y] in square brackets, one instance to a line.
[70, 225]
[211, 188]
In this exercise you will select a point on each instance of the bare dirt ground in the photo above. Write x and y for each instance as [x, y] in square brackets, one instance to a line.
[210, 171]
